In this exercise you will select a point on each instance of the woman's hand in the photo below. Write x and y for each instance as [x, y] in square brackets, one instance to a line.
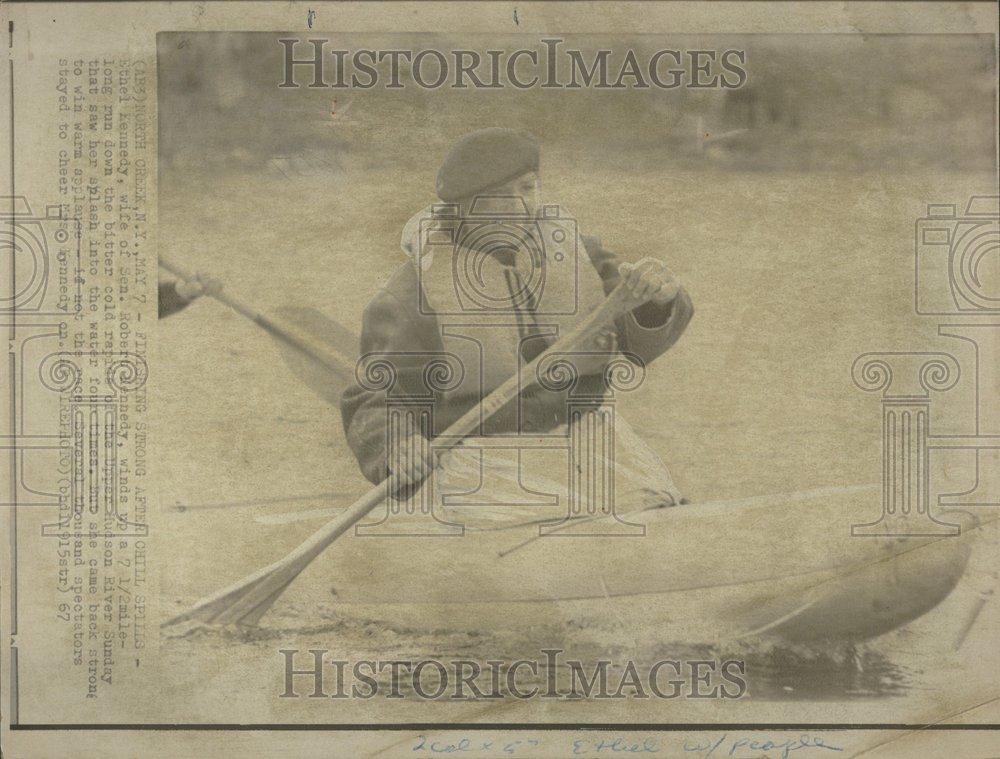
[650, 280]
[202, 284]
[411, 463]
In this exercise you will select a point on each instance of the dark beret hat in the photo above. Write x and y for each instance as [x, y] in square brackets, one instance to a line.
[485, 158]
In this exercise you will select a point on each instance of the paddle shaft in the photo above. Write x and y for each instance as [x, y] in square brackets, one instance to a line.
[247, 600]
[281, 330]
[616, 304]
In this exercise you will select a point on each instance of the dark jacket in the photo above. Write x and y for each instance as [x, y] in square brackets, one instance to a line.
[167, 300]
[393, 322]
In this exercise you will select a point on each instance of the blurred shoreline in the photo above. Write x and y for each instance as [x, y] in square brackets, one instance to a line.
[848, 103]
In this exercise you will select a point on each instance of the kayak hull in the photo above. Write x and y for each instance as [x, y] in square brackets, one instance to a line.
[785, 566]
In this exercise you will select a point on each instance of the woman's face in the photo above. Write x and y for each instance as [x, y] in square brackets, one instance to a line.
[527, 187]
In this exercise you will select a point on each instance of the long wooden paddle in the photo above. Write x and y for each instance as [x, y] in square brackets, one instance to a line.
[302, 340]
[246, 601]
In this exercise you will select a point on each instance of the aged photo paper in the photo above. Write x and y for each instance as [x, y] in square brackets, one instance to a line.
[542, 380]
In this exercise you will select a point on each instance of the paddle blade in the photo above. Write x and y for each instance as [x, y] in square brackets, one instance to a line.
[243, 603]
[326, 383]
